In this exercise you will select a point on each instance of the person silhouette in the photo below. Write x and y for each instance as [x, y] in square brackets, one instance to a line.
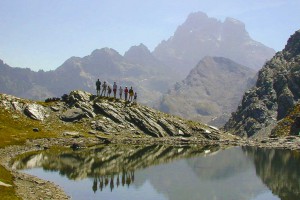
[115, 87]
[135, 97]
[131, 94]
[98, 86]
[120, 92]
[103, 88]
[126, 93]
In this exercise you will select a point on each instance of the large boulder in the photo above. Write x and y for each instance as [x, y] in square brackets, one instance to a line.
[73, 114]
[35, 111]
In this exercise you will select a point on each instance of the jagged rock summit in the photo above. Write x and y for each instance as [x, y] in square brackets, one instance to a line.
[277, 90]
[111, 117]
[201, 36]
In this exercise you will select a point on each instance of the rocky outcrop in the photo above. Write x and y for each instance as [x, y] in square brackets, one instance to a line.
[35, 111]
[276, 91]
[71, 115]
[30, 109]
[114, 116]
[108, 118]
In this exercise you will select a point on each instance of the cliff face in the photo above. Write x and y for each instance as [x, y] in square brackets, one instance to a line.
[107, 118]
[276, 91]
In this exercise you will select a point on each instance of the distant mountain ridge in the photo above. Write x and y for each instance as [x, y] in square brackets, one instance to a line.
[201, 36]
[81, 73]
[150, 73]
[210, 92]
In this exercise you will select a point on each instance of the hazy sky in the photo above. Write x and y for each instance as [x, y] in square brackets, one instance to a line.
[42, 34]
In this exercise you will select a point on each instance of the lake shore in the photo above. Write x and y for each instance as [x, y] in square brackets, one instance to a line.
[30, 187]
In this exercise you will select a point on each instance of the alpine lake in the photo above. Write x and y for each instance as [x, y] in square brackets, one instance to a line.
[161, 172]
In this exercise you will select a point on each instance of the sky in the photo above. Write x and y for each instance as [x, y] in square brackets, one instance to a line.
[42, 34]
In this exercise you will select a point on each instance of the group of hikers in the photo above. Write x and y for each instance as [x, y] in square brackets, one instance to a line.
[106, 91]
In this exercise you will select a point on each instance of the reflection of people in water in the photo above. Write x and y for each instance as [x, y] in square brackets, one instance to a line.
[112, 185]
[126, 178]
[95, 183]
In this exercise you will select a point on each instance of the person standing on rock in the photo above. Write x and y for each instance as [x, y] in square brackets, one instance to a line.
[98, 86]
[104, 88]
[108, 91]
[126, 93]
[115, 87]
[135, 97]
[131, 94]
[120, 92]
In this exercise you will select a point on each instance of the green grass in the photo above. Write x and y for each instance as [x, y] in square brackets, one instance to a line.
[15, 129]
[7, 192]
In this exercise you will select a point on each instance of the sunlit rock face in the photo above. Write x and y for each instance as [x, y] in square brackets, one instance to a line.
[276, 91]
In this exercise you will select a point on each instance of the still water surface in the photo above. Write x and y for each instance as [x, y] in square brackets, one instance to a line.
[164, 172]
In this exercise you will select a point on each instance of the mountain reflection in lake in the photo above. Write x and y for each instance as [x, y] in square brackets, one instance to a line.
[165, 172]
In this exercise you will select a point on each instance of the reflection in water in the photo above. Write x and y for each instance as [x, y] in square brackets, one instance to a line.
[278, 169]
[182, 172]
[108, 165]
[126, 179]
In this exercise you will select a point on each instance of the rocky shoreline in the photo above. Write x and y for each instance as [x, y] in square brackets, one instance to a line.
[30, 187]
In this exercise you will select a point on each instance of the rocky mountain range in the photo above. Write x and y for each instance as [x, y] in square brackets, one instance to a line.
[201, 36]
[150, 73]
[275, 94]
[147, 75]
[211, 91]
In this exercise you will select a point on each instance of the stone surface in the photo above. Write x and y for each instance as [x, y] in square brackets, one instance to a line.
[35, 111]
[72, 114]
[70, 133]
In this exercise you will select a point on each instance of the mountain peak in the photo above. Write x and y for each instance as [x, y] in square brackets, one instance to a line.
[197, 16]
[104, 51]
[292, 48]
[139, 54]
[201, 36]
[230, 20]
[140, 49]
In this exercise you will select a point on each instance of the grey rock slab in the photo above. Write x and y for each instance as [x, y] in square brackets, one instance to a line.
[72, 114]
[70, 133]
[35, 111]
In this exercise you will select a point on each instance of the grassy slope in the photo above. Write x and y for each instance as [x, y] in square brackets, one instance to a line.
[15, 129]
